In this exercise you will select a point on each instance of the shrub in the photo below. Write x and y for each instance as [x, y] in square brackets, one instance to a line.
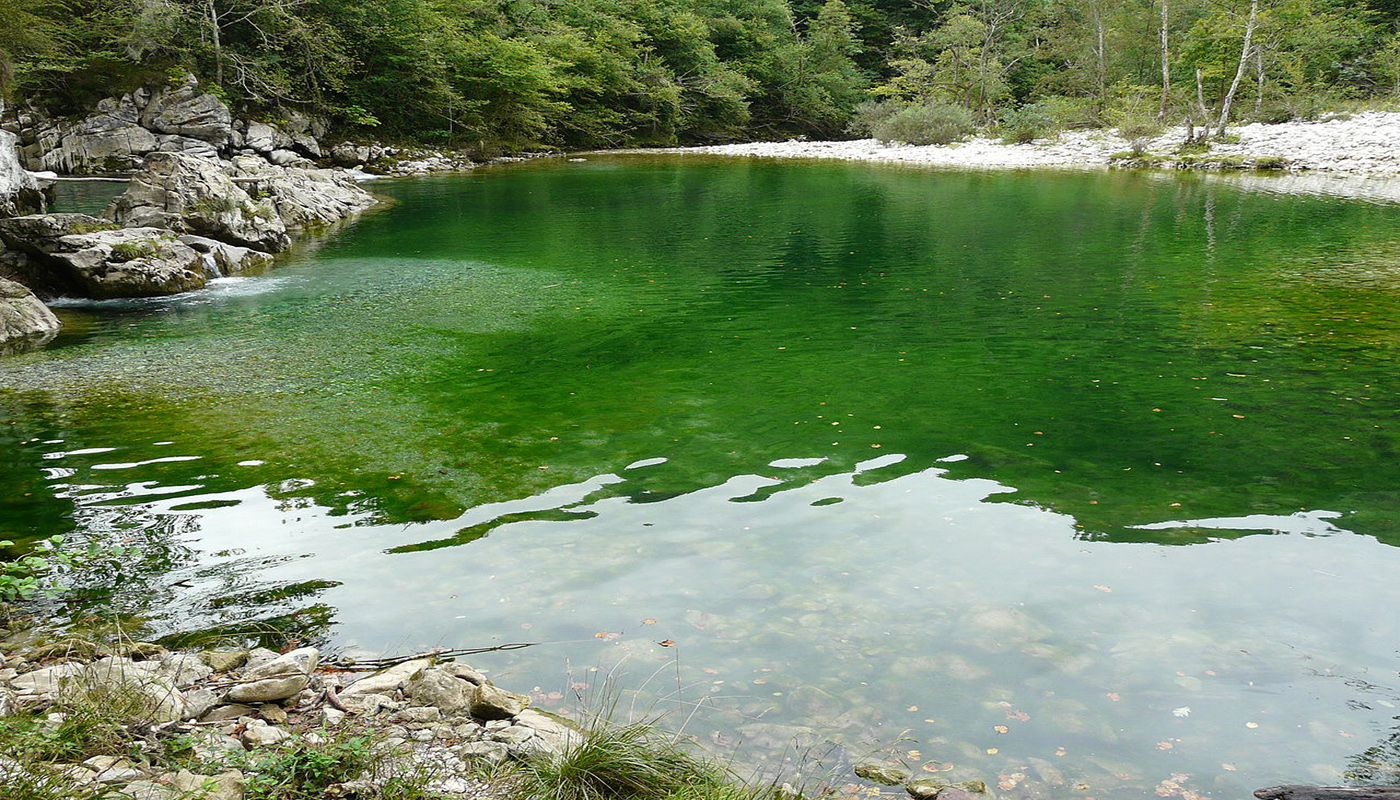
[934, 122]
[1028, 123]
[130, 251]
[1271, 162]
[39, 573]
[867, 115]
[305, 768]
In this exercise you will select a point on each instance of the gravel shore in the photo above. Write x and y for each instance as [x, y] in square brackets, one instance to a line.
[1362, 144]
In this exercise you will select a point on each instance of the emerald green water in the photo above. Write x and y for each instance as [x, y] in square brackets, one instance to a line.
[1107, 460]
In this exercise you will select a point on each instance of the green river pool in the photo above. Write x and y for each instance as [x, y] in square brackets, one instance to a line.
[1084, 484]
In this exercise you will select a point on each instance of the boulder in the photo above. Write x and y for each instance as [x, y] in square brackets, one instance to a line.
[269, 689]
[131, 262]
[264, 138]
[880, 773]
[225, 786]
[302, 661]
[19, 191]
[434, 687]
[163, 702]
[24, 321]
[192, 195]
[490, 702]
[302, 198]
[386, 681]
[221, 260]
[185, 111]
[221, 660]
[260, 734]
[47, 680]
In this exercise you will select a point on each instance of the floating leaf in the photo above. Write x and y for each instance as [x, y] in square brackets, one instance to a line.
[1251, 724]
[667, 643]
[1229, 767]
[1018, 715]
[1103, 588]
[1114, 696]
[1165, 745]
[606, 636]
[1184, 711]
[1001, 729]
[648, 622]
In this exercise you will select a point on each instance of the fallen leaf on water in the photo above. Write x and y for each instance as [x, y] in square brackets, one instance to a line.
[1229, 767]
[1114, 696]
[667, 643]
[1103, 588]
[1060, 751]
[1165, 745]
[1251, 724]
[915, 754]
[1018, 715]
[606, 636]
[710, 671]
[1184, 711]
[913, 708]
[991, 751]
[648, 622]
[932, 766]
[1001, 729]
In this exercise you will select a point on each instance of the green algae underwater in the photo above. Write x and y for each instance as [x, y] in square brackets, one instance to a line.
[1083, 484]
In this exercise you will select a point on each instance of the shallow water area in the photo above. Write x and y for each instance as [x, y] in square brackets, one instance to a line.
[1079, 483]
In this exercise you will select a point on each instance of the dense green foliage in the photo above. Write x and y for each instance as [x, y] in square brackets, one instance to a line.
[508, 74]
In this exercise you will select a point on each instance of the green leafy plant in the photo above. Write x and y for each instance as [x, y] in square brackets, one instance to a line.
[933, 122]
[130, 251]
[304, 768]
[40, 572]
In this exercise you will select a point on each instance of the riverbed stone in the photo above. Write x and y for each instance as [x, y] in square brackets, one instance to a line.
[386, 681]
[463, 672]
[260, 734]
[224, 786]
[225, 660]
[48, 680]
[302, 198]
[489, 752]
[302, 661]
[493, 703]
[925, 788]
[883, 774]
[434, 687]
[221, 259]
[185, 111]
[269, 689]
[228, 712]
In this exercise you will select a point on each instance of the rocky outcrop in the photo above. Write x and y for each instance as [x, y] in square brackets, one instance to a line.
[83, 255]
[19, 192]
[302, 198]
[121, 131]
[194, 195]
[24, 321]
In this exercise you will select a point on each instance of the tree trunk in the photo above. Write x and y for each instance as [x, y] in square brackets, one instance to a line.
[1166, 69]
[1201, 101]
[1239, 73]
[1259, 93]
[1100, 55]
[217, 41]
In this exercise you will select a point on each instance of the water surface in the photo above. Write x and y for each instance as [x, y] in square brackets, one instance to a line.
[1083, 484]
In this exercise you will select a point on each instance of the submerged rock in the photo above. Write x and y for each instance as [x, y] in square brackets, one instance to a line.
[82, 255]
[883, 774]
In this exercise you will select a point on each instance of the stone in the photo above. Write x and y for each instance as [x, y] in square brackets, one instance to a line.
[287, 158]
[332, 717]
[264, 138]
[25, 322]
[464, 672]
[273, 713]
[302, 661]
[184, 670]
[199, 702]
[925, 788]
[113, 769]
[232, 711]
[434, 687]
[493, 703]
[883, 774]
[260, 734]
[386, 681]
[192, 195]
[269, 689]
[140, 651]
[222, 660]
[515, 734]
[490, 752]
[260, 655]
[957, 793]
[147, 790]
[368, 703]
[164, 703]
[419, 714]
[47, 680]
[86, 256]
[221, 259]
[224, 786]
[108, 141]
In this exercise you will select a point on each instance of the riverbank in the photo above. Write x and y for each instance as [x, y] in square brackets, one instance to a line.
[1362, 144]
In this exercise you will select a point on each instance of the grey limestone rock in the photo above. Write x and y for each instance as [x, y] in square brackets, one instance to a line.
[195, 196]
[25, 322]
[434, 687]
[19, 191]
[493, 703]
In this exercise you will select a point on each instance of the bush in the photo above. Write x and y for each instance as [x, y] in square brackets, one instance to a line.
[130, 251]
[934, 122]
[1028, 123]
[869, 114]
[39, 573]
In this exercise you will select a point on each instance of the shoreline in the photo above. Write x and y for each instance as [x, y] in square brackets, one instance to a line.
[1360, 145]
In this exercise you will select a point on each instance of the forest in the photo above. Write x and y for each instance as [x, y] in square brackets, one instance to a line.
[494, 76]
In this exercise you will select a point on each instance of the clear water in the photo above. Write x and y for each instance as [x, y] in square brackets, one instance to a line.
[1081, 484]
